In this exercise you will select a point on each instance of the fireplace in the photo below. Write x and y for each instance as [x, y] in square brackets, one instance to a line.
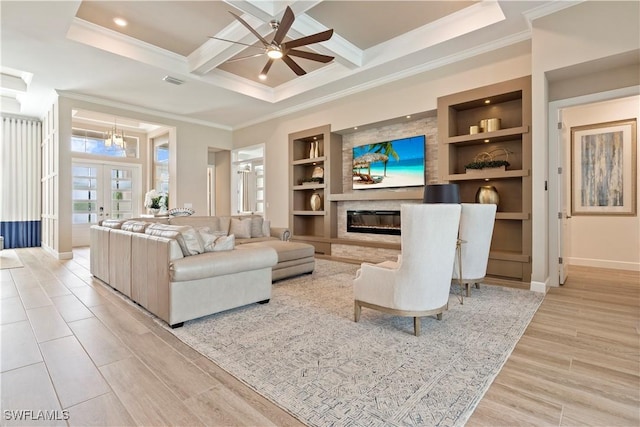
[376, 222]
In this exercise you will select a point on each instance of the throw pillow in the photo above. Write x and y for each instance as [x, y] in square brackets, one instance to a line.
[208, 240]
[217, 241]
[256, 226]
[241, 228]
[225, 243]
[266, 228]
[188, 238]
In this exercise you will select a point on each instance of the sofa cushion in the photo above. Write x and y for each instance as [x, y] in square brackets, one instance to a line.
[240, 227]
[135, 226]
[212, 264]
[188, 238]
[287, 251]
[112, 223]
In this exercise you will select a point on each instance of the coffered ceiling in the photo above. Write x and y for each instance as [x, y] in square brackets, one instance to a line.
[76, 47]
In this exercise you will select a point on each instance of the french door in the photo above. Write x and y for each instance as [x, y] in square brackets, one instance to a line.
[102, 191]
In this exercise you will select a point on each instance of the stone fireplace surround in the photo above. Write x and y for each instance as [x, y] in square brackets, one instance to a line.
[380, 199]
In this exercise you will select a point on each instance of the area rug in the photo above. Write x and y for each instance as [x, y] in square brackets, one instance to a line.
[304, 352]
[9, 259]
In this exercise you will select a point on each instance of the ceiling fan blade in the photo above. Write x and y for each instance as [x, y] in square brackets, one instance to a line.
[292, 64]
[285, 24]
[310, 55]
[241, 58]
[265, 70]
[250, 28]
[303, 41]
[231, 41]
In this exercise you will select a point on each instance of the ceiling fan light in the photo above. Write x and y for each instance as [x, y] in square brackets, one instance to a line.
[274, 53]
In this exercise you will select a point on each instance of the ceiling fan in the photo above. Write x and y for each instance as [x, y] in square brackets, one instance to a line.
[276, 49]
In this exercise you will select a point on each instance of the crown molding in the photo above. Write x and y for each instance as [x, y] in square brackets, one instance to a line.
[427, 66]
[108, 40]
[138, 109]
[548, 9]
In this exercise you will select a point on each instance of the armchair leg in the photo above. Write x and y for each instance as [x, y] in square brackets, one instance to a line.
[356, 311]
[416, 326]
[478, 285]
[439, 316]
[468, 289]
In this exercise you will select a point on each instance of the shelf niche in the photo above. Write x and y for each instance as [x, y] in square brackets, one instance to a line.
[510, 102]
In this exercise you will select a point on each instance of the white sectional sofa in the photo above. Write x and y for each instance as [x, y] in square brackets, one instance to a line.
[160, 266]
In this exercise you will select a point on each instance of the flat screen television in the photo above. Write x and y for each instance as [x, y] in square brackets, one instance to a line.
[388, 164]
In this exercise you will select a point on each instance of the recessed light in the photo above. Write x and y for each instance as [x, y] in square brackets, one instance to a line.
[262, 77]
[408, 117]
[487, 101]
[120, 22]
[486, 140]
[355, 128]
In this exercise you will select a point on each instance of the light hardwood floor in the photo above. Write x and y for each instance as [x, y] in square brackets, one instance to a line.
[70, 343]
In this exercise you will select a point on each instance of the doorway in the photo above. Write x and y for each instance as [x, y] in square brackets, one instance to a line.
[102, 191]
[571, 237]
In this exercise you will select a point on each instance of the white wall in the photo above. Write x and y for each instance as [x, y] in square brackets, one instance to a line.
[415, 94]
[603, 241]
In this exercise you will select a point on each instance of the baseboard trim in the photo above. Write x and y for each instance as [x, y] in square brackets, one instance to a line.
[541, 287]
[604, 263]
[56, 254]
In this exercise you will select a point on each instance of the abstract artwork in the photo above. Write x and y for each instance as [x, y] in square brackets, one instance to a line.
[603, 163]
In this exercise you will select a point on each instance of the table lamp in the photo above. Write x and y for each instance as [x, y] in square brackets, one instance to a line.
[441, 193]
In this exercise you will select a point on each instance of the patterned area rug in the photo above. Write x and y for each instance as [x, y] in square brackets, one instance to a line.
[304, 352]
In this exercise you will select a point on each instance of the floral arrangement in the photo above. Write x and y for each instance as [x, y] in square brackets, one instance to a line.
[156, 200]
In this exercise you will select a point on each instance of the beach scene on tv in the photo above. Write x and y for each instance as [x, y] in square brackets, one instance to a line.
[396, 163]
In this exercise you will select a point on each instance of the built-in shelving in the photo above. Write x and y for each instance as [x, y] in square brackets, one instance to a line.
[511, 103]
[312, 151]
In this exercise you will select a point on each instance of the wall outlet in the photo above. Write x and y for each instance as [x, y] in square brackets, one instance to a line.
[188, 205]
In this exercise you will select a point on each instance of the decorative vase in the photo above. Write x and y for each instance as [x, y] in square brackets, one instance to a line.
[316, 202]
[316, 150]
[487, 194]
[153, 211]
[312, 151]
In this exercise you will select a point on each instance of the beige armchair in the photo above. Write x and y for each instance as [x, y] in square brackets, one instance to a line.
[476, 230]
[418, 284]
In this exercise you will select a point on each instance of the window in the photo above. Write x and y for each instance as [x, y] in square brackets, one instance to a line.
[93, 142]
[248, 180]
[161, 164]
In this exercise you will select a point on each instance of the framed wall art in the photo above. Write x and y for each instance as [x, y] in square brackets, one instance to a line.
[603, 168]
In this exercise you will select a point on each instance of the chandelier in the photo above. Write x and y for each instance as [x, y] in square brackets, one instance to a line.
[114, 137]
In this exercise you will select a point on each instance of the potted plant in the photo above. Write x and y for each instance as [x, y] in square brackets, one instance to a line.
[156, 202]
[487, 160]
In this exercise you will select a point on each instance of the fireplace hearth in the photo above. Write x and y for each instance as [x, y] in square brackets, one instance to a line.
[374, 221]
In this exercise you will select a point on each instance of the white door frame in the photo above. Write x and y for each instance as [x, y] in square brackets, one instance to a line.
[555, 225]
